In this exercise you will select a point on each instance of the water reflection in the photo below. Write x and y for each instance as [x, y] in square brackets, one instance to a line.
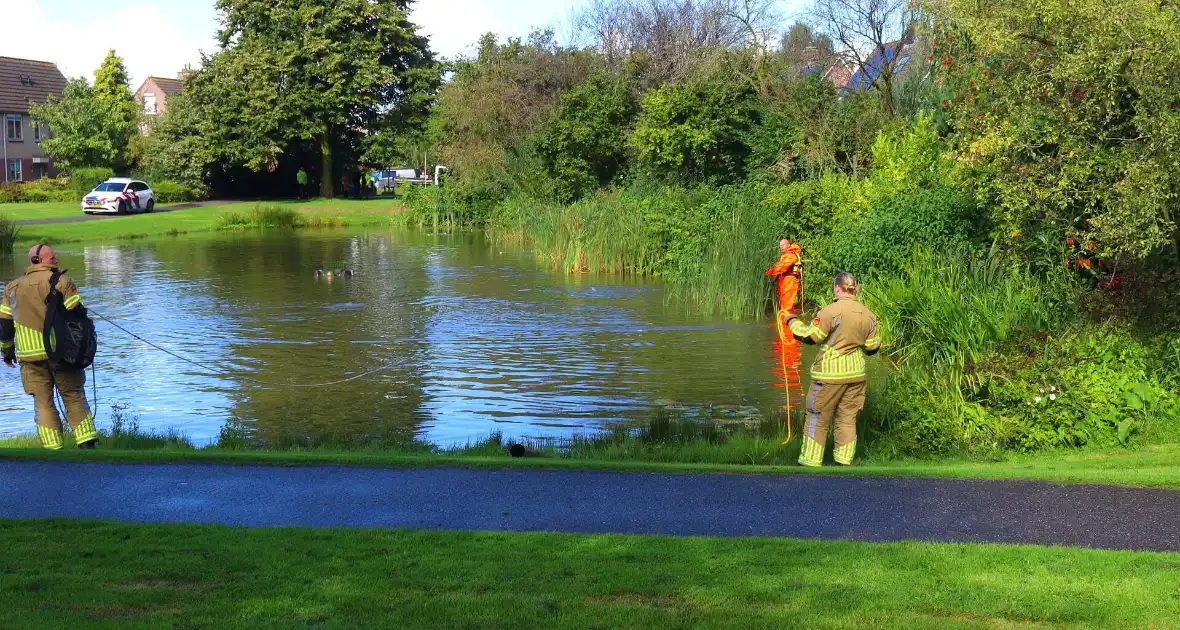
[483, 339]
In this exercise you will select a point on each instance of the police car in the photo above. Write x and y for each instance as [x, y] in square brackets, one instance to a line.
[119, 195]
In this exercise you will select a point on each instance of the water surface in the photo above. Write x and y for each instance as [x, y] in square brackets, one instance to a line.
[480, 338]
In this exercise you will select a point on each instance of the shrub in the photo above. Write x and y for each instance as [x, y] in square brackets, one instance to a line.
[168, 191]
[11, 193]
[264, 215]
[83, 180]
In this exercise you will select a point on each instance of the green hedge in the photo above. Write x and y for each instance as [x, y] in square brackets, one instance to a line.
[83, 180]
[167, 191]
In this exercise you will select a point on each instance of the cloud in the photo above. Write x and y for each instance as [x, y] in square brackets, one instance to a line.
[149, 42]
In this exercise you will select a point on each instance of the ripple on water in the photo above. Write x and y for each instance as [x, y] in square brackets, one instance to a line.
[482, 340]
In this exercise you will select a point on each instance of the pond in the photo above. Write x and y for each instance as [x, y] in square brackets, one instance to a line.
[477, 339]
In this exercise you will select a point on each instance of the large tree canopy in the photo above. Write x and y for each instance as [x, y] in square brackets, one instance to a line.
[323, 70]
[87, 130]
[1066, 116]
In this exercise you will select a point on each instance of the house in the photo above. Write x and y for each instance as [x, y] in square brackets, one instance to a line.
[153, 97]
[828, 65]
[24, 81]
[901, 54]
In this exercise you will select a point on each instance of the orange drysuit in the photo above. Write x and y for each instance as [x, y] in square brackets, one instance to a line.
[788, 271]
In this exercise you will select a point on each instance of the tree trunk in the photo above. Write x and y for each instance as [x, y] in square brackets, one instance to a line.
[326, 187]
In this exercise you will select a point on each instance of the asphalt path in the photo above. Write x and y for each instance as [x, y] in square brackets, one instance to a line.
[101, 217]
[803, 506]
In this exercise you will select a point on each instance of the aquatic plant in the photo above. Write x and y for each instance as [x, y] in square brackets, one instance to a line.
[9, 234]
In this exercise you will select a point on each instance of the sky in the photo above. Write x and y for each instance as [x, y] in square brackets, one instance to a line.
[158, 37]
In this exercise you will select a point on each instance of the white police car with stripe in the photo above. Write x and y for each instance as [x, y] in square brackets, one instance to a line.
[119, 195]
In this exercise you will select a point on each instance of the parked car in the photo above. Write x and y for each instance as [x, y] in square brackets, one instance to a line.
[119, 195]
[390, 178]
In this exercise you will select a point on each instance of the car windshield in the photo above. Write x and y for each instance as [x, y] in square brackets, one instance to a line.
[110, 187]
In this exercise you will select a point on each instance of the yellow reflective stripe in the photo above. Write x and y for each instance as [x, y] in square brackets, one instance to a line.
[29, 343]
[73, 301]
[833, 365]
[50, 438]
[85, 431]
[844, 454]
[812, 453]
[799, 329]
[5, 310]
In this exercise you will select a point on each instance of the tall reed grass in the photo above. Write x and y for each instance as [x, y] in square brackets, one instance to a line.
[9, 234]
[603, 234]
[945, 315]
[264, 215]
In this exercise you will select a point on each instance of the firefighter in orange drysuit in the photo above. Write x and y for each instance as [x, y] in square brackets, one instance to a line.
[789, 271]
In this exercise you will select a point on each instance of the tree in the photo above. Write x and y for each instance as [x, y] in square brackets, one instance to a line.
[87, 130]
[583, 144]
[696, 131]
[667, 40]
[322, 70]
[110, 80]
[869, 34]
[1065, 120]
[175, 149]
[802, 47]
[497, 100]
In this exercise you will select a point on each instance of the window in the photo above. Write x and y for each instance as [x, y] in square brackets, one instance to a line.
[110, 187]
[36, 131]
[40, 171]
[149, 103]
[14, 174]
[15, 129]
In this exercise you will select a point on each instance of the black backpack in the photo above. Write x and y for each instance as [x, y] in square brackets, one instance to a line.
[70, 338]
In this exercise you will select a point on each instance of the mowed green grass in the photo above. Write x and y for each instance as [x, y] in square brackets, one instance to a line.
[85, 574]
[352, 212]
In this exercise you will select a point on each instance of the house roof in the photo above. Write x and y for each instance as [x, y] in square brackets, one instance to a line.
[24, 80]
[169, 86]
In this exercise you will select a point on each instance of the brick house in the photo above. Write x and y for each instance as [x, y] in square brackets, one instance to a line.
[23, 81]
[153, 95]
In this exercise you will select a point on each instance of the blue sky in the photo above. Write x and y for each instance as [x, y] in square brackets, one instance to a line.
[158, 37]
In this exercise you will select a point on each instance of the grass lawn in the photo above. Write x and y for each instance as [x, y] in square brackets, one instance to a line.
[85, 574]
[351, 212]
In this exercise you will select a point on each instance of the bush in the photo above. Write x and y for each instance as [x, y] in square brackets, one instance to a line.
[168, 191]
[83, 180]
[882, 241]
[38, 191]
[11, 193]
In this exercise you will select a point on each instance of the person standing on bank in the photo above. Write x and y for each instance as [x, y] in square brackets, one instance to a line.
[22, 321]
[846, 332]
[301, 179]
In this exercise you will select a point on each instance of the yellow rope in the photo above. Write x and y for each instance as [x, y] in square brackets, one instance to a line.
[782, 338]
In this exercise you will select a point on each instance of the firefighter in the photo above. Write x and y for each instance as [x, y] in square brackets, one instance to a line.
[788, 272]
[846, 332]
[24, 300]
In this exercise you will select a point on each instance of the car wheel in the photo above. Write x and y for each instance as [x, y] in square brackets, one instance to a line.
[150, 206]
[122, 207]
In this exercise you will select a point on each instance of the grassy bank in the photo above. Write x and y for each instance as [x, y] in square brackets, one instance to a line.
[196, 576]
[1149, 466]
[332, 212]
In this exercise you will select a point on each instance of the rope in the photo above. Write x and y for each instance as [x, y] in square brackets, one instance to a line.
[782, 339]
[217, 370]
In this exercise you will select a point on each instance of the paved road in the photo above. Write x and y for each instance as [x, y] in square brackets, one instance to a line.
[871, 509]
[101, 217]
